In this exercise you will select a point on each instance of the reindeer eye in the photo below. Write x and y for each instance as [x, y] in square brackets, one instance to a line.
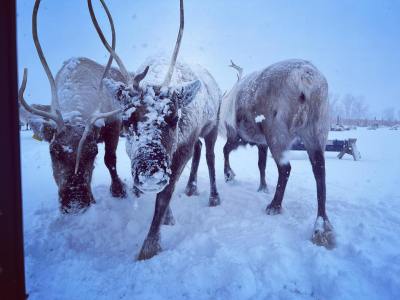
[172, 121]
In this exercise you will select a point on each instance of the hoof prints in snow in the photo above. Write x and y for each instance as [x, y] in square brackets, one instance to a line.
[234, 251]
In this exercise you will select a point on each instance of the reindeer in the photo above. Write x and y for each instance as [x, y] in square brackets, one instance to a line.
[276, 106]
[81, 115]
[164, 124]
[234, 140]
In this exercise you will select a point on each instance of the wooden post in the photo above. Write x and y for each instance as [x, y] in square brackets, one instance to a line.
[12, 278]
[350, 147]
[342, 146]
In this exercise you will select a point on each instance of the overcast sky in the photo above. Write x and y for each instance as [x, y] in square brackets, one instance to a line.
[356, 44]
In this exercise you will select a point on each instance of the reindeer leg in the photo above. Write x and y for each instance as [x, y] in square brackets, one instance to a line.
[111, 138]
[323, 231]
[151, 245]
[231, 144]
[275, 207]
[210, 140]
[262, 162]
[191, 187]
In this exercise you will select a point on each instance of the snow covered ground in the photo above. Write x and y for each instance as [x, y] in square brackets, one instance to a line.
[234, 251]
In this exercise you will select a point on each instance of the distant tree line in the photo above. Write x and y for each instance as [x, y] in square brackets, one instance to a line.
[353, 110]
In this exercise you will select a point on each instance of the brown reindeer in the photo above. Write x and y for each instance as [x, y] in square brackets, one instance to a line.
[81, 115]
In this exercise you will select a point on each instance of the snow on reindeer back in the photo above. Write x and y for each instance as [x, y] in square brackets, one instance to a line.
[78, 84]
[159, 66]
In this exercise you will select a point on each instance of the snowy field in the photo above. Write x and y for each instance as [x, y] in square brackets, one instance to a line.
[234, 251]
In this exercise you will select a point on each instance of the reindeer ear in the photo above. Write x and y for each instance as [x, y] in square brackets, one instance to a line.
[42, 130]
[139, 77]
[184, 94]
[48, 131]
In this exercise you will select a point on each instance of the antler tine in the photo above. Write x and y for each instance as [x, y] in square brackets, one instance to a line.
[168, 77]
[44, 114]
[113, 41]
[237, 68]
[124, 72]
[88, 126]
[55, 105]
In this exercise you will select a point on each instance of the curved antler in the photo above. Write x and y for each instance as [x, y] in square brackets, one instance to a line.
[56, 117]
[168, 77]
[237, 68]
[54, 97]
[113, 41]
[115, 56]
[55, 114]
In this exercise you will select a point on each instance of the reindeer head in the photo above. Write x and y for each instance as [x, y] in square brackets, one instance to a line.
[73, 184]
[151, 116]
[65, 138]
[72, 144]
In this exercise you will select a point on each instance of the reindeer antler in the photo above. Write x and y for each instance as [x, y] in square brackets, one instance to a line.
[113, 42]
[134, 81]
[115, 56]
[168, 77]
[56, 117]
[238, 69]
[55, 114]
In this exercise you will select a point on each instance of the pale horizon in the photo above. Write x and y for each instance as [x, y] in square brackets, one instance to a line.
[354, 43]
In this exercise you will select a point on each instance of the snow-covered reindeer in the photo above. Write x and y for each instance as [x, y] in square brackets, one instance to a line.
[71, 124]
[234, 139]
[274, 107]
[164, 124]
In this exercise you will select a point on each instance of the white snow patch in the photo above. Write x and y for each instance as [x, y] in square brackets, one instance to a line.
[99, 123]
[127, 113]
[259, 118]
[67, 149]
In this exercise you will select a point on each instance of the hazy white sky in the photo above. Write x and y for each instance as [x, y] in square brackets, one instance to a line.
[356, 44]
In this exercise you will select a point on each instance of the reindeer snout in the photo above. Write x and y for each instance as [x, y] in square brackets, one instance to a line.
[151, 177]
[75, 194]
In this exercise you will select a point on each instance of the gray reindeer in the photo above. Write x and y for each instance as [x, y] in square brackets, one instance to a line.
[234, 140]
[163, 123]
[276, 106]
[81, 115]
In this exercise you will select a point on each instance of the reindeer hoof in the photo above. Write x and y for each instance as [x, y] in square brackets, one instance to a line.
[191, 189]
[273, 209]
[323, 234]
[136, 192]
[150, 248]
[117, 189]
[76, 207]
[168, 218]
[229, 175]
[263, 188]
[214, 200]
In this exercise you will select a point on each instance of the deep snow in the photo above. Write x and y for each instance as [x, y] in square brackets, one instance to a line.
[234, 251]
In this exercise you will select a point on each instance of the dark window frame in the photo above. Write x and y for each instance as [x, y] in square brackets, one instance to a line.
[12, 275]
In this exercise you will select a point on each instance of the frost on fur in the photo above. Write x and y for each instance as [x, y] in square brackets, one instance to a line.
[259, 118]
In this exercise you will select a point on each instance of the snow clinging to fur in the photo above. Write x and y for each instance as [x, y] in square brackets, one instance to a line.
[259, 118]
